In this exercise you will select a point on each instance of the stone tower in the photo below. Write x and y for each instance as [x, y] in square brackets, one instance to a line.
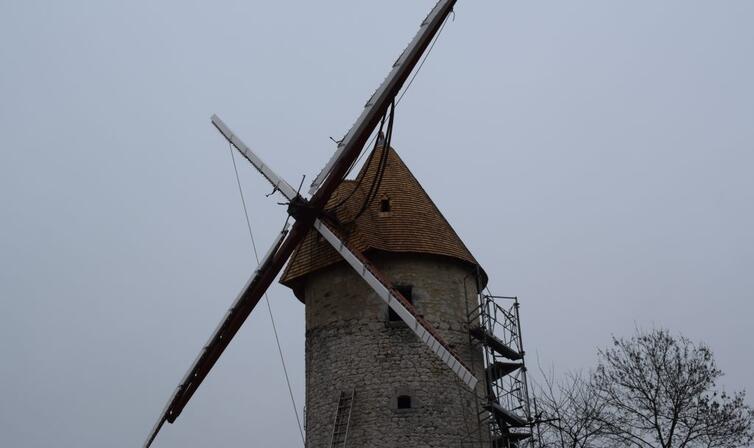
[404, 396]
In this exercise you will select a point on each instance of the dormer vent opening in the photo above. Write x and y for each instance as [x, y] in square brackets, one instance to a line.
[385, 206]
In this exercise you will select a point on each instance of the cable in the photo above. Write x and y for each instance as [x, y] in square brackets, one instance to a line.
[405, 89]
[266, 298]
[421, 64]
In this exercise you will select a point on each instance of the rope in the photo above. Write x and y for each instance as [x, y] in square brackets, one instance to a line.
[266, 298]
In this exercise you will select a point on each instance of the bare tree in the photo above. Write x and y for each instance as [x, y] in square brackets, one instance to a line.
[572, 415]
[660, 391]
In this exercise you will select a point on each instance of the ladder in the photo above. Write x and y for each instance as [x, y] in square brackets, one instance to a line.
[342, 419]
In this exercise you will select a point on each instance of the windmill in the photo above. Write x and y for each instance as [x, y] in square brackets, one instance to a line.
[323, 221]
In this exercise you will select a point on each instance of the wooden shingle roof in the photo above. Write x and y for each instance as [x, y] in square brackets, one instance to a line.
[413, 223]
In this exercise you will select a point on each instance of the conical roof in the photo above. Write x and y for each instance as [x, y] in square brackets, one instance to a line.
[399, 218]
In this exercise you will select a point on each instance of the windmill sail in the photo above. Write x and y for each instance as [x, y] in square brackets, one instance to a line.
[327, 182]
[356, 259]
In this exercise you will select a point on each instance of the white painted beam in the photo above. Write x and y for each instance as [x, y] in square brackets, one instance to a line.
[385, 293]
[279, 183]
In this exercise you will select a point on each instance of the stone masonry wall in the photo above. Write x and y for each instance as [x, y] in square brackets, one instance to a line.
[350, 344]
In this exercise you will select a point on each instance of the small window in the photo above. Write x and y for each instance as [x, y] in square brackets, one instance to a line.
[385, 207]
[404, 402]
[405, 291]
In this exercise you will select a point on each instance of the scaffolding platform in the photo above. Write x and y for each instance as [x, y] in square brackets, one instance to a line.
[495, 343]
[507, 416]
[510, 439]
[500, 369]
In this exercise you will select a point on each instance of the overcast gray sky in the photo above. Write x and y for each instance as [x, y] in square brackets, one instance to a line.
[595, 156]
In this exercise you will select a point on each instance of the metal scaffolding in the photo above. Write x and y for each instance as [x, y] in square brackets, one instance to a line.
[495, 325]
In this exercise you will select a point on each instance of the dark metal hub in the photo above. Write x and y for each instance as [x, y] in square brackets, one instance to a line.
[302, 210]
